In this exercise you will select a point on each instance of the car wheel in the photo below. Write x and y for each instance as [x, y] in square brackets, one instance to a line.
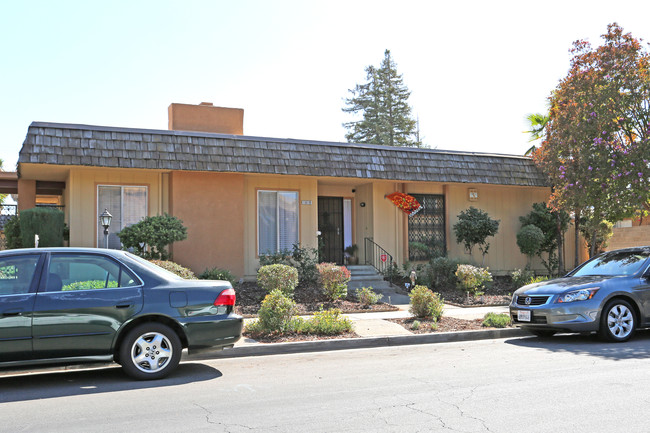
[617, 321]
[542, 333]
[150, 351]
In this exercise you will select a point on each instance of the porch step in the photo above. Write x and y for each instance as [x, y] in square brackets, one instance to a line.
[366, 276]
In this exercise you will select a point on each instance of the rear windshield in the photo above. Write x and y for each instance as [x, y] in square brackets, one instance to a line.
[162, 273]
[614, 264]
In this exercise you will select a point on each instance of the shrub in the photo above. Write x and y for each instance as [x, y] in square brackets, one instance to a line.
[276, 313]
[537, 279]
[156, 232]
[367, 296]
[334, 280]
[415, 325]
[474, 226]
[328, 322]
[443, 271]
[45, 222]
[471, 278]
[521, 277]
[12, 233]
[494, 320]
[218, 274]
[425, 303]
[278, 277]
[175, 268]
[530, 239]
[303, 259]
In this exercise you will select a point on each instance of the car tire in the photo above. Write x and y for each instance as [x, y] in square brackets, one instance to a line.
[542, 333]
[617, 321]
[150, 351]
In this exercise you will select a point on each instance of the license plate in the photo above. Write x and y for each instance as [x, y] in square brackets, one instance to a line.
[523, 316]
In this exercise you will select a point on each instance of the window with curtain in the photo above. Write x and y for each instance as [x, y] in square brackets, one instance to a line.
[127, 204]
[277, 221]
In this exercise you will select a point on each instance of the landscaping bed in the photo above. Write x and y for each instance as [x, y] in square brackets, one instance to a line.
[308, 300]
[445, 324]
[499, 292]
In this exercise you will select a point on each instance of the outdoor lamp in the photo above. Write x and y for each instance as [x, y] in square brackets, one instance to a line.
[105, 220]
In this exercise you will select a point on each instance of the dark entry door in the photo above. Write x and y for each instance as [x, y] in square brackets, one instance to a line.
[330, 224]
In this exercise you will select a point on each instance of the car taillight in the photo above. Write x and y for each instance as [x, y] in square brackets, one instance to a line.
[226, 297]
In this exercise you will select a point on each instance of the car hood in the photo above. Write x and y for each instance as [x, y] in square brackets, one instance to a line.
[561, 285]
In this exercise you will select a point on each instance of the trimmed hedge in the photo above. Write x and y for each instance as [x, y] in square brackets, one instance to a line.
[45, 222]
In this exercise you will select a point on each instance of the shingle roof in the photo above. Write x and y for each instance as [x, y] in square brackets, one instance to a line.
[99, 146]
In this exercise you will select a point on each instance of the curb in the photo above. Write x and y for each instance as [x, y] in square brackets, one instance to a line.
[263, 349]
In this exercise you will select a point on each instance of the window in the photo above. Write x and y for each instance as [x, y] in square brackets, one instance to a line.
[277, 221]
[426, 229]
[16, 274]
[127, 204]
[67, 272]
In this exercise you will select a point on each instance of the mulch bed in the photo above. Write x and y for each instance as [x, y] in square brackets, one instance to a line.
[308, 300]
[290, 338]
[446, 324]
[499, 292]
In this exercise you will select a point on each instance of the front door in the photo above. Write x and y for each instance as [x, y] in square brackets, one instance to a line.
[330, 224]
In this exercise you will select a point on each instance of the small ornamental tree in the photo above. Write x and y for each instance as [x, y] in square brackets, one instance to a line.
[474, 226]
[155, 232]
[529, 240]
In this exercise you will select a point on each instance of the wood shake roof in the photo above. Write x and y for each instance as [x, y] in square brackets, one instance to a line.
[99, 146]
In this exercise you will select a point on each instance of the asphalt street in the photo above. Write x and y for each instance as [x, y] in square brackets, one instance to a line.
[568, 383]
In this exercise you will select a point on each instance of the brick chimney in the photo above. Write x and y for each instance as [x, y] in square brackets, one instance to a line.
[205, 117]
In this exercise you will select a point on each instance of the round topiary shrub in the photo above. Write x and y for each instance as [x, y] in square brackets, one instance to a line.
[424, 303]
[278, 277]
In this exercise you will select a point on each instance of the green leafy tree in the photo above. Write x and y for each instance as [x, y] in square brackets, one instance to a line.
[474, 226]
[552, 224]
[156, 233]
[597, 145]
[383, 103]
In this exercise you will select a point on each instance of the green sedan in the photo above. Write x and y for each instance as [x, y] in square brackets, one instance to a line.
[78, 305]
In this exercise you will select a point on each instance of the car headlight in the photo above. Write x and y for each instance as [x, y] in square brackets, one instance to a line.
[578, 295]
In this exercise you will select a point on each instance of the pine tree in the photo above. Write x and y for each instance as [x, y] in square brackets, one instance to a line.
[383, 102]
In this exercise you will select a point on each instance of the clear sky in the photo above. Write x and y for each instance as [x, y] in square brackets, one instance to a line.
[475, 68]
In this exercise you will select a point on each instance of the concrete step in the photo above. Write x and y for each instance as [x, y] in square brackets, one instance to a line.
[377, 285]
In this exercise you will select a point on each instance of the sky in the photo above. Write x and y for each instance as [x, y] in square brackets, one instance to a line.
[475, 69]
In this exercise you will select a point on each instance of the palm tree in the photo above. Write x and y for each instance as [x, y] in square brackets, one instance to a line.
[538, 124]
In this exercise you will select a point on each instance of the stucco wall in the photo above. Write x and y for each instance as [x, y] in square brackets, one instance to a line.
[212, 209]
[81, 197]
[307, 192]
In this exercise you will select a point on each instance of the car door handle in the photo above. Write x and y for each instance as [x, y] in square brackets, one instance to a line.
[123, 305]
[11, 313]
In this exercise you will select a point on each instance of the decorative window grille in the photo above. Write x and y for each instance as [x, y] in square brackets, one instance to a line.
[426, 229]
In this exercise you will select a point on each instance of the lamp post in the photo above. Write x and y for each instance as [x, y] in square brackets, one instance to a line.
[105, 220]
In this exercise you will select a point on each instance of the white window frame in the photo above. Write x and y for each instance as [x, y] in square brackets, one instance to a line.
[100, 211]
[277, 218]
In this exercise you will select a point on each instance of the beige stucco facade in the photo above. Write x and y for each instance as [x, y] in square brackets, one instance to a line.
[220, 212]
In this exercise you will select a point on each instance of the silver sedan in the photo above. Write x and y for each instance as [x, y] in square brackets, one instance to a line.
[609, 294]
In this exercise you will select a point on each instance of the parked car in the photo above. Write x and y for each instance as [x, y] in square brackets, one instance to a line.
[73, 305]
[609, 294]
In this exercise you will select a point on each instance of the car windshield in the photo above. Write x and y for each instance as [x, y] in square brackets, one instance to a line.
[163, 273]
[614, 264]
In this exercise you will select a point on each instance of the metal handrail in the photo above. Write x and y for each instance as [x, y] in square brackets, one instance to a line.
[378, 258]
